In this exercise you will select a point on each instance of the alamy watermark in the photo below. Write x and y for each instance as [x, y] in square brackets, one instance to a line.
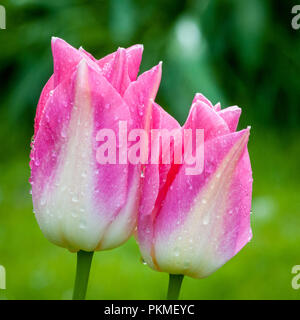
[296, 19]
[2, 278]
[158, 146]
[2, 17]
[296, 279]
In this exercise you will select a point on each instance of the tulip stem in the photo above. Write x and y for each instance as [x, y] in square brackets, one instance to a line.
[84, 261]
[175, 281]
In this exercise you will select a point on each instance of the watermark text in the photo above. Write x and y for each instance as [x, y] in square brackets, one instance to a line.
[296, 19]
[158, 146]
[2, 17]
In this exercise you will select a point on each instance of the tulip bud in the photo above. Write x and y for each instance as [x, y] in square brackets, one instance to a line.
[79, 203]
[193, 224]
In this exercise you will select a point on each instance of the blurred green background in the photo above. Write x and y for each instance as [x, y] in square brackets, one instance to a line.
[233, 51]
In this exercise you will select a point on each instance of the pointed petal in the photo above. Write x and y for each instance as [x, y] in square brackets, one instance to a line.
[231, 116]
[201, 98]
[90, 56]
[118, 77]
[201, 116]
[134, 58]
[66, 59]
[140, 94]
[217, 107]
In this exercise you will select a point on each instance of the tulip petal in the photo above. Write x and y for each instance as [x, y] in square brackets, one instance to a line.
[199, 232]
[109, 110]
[66, 59]
[75, 197]
[50, 137]
[231, 116]
[90, 56]
[46, 92]
[238, 216]
[122, 226]
[157, 179]
[202, 116]
[217, 107]
[201, 98]
[140, 94]
[134, 58]
[119, 77]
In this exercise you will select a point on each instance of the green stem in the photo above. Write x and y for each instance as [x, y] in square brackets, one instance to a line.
[84, 261]
[175, 281]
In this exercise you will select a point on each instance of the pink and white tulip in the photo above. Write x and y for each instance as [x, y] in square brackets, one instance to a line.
[79, 203]
[193, 224]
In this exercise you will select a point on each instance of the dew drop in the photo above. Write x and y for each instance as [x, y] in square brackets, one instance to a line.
[176, 252]
[206, 220]
[84, 174]
[63, 134]
[75, 199]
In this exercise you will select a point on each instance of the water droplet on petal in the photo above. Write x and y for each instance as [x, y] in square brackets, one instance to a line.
[75, 199]
[176, 252]
[84, 174]
[206, 219]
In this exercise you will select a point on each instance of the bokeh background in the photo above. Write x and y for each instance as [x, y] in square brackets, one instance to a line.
[237, 52]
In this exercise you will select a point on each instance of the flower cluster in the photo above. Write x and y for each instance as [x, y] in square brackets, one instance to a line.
[188, 220]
